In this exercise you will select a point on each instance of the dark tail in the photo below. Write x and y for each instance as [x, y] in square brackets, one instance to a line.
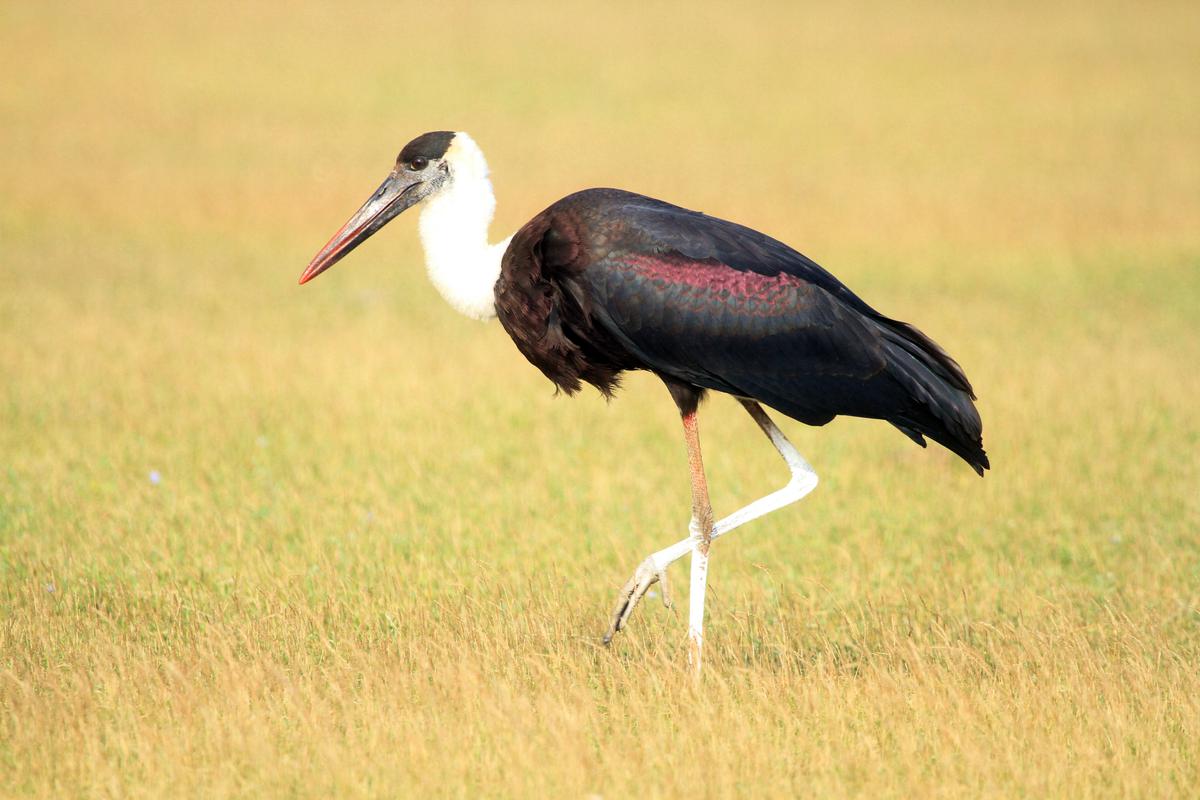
[943, 409]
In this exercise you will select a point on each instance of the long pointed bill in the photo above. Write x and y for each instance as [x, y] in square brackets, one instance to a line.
[394, 195]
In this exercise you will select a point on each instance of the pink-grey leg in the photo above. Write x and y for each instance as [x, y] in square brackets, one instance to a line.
[702, 530]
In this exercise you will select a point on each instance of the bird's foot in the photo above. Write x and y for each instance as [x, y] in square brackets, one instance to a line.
[646, 575]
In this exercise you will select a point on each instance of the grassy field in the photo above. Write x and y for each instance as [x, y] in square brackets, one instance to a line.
[257, 540]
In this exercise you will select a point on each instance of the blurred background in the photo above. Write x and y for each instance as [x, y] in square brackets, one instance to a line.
[226, 502]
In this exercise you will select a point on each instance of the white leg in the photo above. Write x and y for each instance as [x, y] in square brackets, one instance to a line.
[699, 583]
[654, 568]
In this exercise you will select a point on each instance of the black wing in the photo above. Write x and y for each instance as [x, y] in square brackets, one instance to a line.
[724, 307]
[668, 228]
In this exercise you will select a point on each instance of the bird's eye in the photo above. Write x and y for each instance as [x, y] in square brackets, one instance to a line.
[419, 163]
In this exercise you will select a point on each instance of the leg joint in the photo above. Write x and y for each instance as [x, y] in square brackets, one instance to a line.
[804, 479]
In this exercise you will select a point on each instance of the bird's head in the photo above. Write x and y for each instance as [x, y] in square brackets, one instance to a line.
[426, 166]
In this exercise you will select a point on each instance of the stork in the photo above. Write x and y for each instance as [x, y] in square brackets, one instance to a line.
[604, 281]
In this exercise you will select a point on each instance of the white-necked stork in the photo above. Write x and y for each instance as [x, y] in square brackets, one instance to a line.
[605, 281]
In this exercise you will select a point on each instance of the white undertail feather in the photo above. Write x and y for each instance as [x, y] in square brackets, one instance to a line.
[454, 232]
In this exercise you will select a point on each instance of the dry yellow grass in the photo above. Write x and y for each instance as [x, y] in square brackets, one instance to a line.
[380, 553]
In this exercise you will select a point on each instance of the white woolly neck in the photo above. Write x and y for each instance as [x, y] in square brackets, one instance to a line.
[454, 230]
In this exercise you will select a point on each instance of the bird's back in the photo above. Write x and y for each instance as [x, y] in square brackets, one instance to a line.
[605, 280]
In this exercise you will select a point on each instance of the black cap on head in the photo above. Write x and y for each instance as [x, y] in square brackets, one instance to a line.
[428, 145]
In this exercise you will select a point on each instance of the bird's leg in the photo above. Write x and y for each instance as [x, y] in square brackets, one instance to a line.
[654, 568]
[803, 480]
[701, 529]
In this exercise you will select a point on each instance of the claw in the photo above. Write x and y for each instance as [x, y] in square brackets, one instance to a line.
[668, 603]
[646, 575]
